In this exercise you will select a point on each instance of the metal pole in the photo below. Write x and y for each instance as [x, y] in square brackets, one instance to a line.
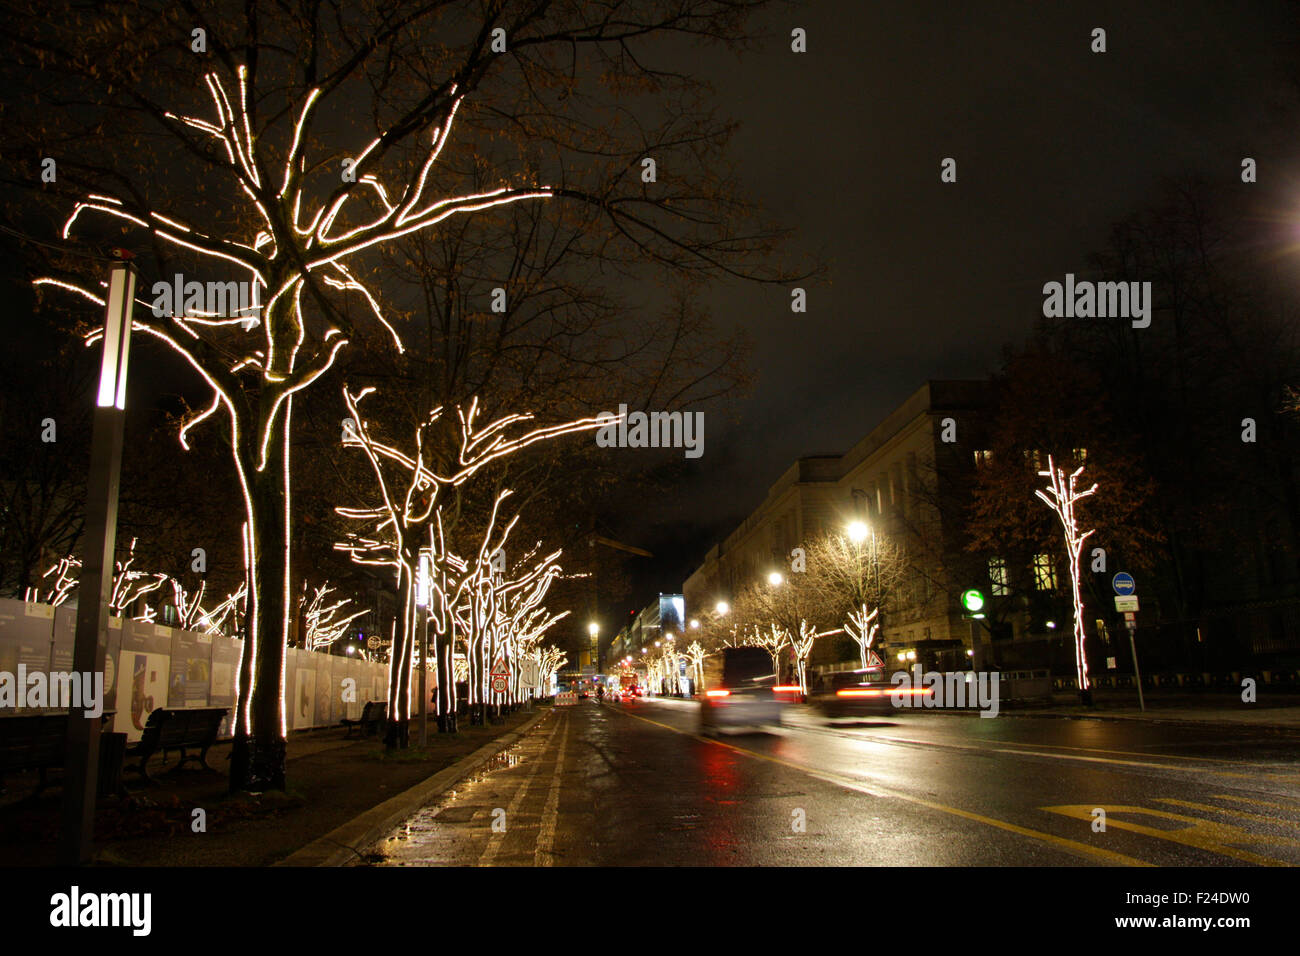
[424, 693]
[1136, 672]
[81, 764]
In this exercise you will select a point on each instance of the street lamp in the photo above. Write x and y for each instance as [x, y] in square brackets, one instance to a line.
[722, 607]
[423, 585]
[775, 578]
[695, 624]
[858, 532]
[91, 642]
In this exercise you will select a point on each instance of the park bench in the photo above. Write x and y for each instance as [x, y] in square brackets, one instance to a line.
[178, 728]
[372, 716]
[39, 742]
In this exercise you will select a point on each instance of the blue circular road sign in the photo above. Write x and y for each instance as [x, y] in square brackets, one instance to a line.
[1123, 583]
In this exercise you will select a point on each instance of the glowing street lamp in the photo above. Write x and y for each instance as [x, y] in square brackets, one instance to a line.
[722, 607]
[695, 624]
[82, 762]
[423, 585]
[858, 532]
[775, 578]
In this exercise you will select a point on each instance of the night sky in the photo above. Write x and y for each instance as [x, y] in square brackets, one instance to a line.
[1053, 143]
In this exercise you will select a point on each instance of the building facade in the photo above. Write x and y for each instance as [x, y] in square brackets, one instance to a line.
[897, 480]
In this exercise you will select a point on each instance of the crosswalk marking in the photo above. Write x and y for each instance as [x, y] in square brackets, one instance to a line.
[1207, 835]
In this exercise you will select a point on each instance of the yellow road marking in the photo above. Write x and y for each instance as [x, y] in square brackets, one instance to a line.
[1208, 835]
[1241, 814]
[1071, 846]
[1291, 805]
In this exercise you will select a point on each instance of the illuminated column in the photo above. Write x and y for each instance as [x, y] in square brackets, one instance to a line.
[82, 761]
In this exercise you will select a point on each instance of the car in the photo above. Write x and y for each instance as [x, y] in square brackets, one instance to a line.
[739, 691]
[859, 693]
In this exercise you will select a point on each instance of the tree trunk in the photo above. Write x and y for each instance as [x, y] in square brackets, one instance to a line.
[257, 760]
[397, 734]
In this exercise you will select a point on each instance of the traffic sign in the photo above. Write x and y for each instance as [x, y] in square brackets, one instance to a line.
[1126, 602]
[873, 659]
[499, 669]
[499, 684]
[1123, 583]
[1129, 617]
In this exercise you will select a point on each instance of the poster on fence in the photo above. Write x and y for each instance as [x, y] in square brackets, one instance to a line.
[191, 667]
[302, 699]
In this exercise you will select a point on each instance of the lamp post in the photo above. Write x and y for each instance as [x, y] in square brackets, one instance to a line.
[82, 761]
[423, 584]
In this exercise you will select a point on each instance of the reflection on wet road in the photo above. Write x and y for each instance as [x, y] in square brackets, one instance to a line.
[633, 784]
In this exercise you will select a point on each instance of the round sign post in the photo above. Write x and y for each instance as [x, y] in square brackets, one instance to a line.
[1124, 585]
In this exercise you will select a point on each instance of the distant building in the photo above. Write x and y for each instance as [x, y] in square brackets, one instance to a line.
[897, 479]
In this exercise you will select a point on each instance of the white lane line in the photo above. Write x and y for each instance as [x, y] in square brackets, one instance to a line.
[543, 854]
[497, 840]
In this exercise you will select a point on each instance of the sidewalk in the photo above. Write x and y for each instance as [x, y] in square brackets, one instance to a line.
[332, 781]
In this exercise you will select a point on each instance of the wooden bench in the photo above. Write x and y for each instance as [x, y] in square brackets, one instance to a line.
[40, 742]
[373, 715]
[180, 728]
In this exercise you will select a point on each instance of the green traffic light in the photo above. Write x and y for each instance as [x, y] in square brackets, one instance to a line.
[972, 600]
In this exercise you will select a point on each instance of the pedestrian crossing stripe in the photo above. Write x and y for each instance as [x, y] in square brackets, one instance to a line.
[1207, 835]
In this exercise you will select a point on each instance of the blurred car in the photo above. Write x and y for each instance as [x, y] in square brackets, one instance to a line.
[860, 693]
[738, 691]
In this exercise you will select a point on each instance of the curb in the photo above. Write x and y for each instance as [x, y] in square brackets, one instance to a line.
[344, 844]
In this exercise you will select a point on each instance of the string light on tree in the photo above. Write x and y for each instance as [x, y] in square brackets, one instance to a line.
[1061, 498]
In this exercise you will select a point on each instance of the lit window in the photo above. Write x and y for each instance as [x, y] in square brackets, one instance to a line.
[998, 576]
[1080, 455]
[983, 456]
[1044, 572]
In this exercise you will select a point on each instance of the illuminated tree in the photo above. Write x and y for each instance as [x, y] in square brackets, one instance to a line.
[325, 623]
[696, 654]
[1061, 497]
[251, 185]
[410, 492]
[852, 576]
[801, 645]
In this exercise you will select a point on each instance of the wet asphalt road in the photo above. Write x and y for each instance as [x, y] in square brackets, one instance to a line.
[634, 785]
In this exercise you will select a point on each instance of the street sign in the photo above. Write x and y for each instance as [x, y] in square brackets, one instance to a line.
[499, 684]
[1131, 625]
[1129, 616]
[1126, 602]
[873, 659]
[499, 669]
[530, 673]
[1123, 583]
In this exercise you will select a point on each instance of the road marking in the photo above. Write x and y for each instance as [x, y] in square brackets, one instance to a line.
[543, 852]
[1118, 763]
[1290, 805]
[1241, 814]
[497, 840]
[1208, 835]
[1060, 756]
[848, 783]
